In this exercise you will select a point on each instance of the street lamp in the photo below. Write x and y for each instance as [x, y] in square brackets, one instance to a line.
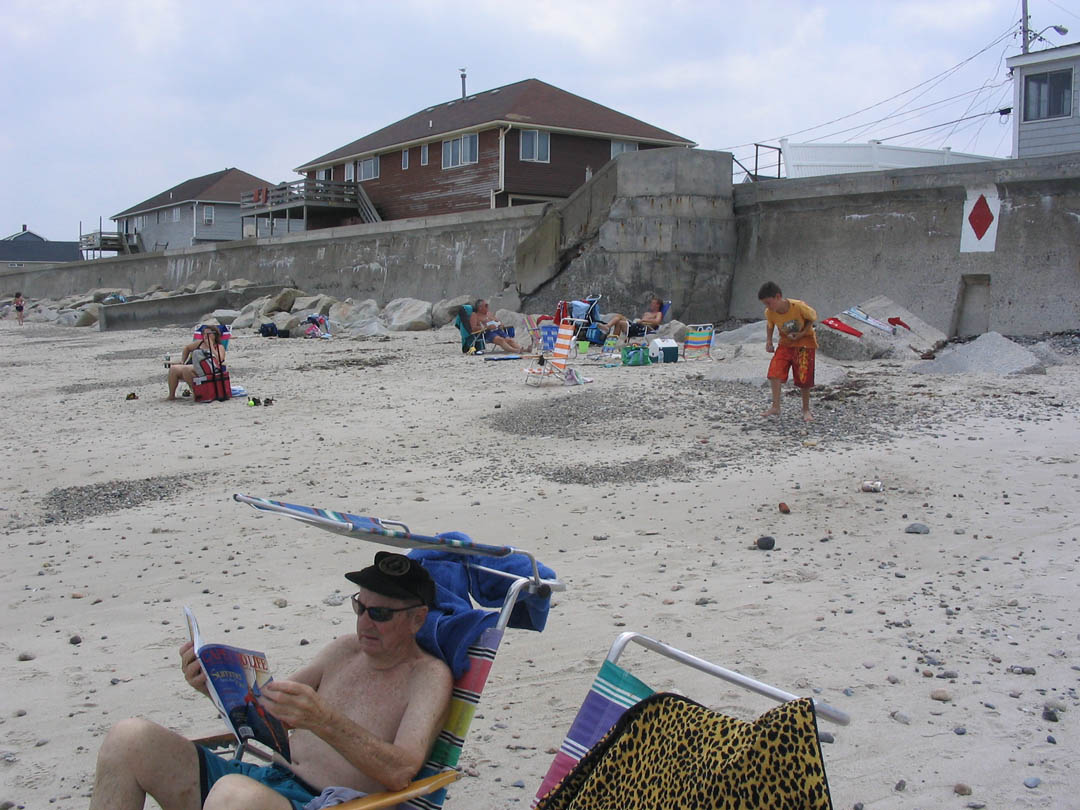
[1061, 31]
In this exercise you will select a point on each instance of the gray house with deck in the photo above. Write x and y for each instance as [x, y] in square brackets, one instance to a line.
[203, 209]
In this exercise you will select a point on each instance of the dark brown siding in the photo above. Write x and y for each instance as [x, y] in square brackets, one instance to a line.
[570, 154]
[426, 190]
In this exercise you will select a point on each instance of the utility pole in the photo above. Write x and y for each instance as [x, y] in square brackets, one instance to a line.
[1023, 26]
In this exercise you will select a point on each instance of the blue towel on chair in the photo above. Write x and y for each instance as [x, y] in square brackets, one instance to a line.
[453, 623]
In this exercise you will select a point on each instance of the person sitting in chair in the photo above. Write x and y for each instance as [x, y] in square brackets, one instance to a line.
[494, 329]
[649, 321]
[364, 714]
[209, 345]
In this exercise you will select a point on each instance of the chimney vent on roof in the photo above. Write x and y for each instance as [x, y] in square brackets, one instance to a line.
[24, 228]
[462, 82]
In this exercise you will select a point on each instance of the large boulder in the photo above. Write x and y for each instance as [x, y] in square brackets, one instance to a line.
[89, 315]
[991, 353]
[102, 293]
[207, 285]
[223, 316]
[407, 315]
[364, 327]
[313, 303]
[285, 320]
[747, 333]
[345, 314]
[282, 302]
[66, 318]
[444, 312]
[238, 283]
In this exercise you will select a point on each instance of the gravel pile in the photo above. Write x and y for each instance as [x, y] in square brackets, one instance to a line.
[78, 503]
[677, 427]
[1066, 343]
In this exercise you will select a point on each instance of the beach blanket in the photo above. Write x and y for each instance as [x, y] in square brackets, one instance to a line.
[670, 753]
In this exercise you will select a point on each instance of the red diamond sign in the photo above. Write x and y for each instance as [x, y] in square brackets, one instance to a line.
[981, 217]
[981, 220]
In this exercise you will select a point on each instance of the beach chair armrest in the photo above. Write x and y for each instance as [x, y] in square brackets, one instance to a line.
[421, 787]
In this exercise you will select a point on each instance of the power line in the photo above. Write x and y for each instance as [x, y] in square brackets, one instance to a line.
[1002, 111]
[1011, 30]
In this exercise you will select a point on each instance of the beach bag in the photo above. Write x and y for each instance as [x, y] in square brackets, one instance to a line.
[268, 330]
[211, 383]
[635, 356]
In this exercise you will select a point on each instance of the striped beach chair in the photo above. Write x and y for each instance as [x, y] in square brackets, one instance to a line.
[615, 691]
[698, 341]
[612, 692]
[553, 366]
[428, 789]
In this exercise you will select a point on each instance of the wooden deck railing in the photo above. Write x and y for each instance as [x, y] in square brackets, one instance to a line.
[324, 192]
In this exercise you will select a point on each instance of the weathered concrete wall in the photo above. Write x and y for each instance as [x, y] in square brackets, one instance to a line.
[838, 240]
[652, 222]
[176, 308]
[431, 259]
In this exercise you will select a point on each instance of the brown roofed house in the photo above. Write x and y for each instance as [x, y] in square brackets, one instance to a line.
[521, 143]
[200, 210]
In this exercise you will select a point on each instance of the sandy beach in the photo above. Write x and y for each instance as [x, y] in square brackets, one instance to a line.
[645, 491]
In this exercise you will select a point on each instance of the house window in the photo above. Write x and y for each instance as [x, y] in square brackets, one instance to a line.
[325, 174]
[176, 215]
[423, 154]
[618, 147]
[1048, 95]
[208, 215]
[404, 159]
[369, 168]
[459, 151]
[536, 145]
[350, 172]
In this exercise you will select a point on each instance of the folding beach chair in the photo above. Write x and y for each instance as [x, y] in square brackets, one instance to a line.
[613, 703]
[555, 365]
[534, 335]
[698, 341]
[643, 338]
[507, 580]
[471, 342]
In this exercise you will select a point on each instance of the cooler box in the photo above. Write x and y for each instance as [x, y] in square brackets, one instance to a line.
[547, 337]
[663, 350]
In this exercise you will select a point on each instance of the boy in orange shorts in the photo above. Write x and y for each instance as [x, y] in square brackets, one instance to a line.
[794, 320]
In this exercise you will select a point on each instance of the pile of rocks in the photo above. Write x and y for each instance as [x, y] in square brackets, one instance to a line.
[288, 309]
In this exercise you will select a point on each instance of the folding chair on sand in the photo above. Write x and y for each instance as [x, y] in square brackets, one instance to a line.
[633, 749]
[554, 366]
[513, 590]
[698, 341]
[471, 342]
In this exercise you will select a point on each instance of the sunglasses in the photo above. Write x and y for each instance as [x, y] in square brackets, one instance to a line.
[377, 614]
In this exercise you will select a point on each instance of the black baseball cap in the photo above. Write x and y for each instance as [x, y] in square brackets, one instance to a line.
[396, 576]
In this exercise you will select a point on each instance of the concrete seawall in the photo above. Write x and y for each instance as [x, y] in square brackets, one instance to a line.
[430, 259]
[838, 240]
[669, 222]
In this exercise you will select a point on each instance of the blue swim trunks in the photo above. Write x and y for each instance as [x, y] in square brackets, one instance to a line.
[276, 777]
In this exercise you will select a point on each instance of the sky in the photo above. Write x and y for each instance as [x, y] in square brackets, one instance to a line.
[109, 102]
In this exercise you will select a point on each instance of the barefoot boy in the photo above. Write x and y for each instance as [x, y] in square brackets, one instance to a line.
[794, 320]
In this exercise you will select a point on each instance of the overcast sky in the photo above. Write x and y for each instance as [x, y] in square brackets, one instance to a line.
[108, 102]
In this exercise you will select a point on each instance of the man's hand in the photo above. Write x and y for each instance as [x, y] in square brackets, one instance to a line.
[769, 346]
[295, 704]
[193, 672]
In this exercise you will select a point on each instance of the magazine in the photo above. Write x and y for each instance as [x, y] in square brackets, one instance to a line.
[235, 677]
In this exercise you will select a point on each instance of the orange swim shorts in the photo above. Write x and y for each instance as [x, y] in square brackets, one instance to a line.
[799, 360]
